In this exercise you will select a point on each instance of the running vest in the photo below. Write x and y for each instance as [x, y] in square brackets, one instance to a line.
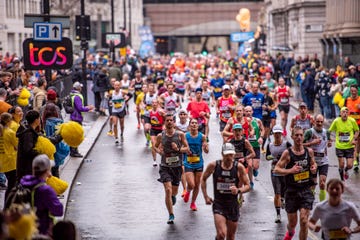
[240, 149]
[225, 111]
[206, 96]
[170, 103]
[320, 150]
[305, 124]
[354, 112]
[138, 87]
[195, 159]
[253, 140]
[239, 89]
[282, 96]
[276, 151]
[182, 126]
[302, 179]
[156, 120]
[223, 180]
[245, 126]
[148, 103]
[118, 102]
[125, 86]
[170, 158]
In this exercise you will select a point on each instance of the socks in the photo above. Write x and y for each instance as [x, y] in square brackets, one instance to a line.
[277, 210]
[322, 195]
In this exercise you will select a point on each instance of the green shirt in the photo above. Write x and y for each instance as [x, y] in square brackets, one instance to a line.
[344, 132]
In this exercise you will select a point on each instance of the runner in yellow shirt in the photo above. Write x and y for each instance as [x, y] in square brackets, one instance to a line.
[347, 132]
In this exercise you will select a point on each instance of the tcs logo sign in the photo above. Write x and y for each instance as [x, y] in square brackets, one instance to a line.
[40, 55]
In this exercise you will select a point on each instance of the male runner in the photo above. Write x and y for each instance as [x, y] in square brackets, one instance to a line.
[229, 179]
[170, 144]
[297, 164]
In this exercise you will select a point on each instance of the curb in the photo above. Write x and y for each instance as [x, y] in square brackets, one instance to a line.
[72, 165]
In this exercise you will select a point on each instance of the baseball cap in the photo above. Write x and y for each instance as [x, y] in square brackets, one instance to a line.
[302, 104]
[228, 148]
[41, 164]
[51, 94]
[344, 109]
[198, 90]
[182, 111]
[77, 85]
[226, 87]
[237, 126]
[277, 129]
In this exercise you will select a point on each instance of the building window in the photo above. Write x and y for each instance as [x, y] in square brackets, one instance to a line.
[194, 39]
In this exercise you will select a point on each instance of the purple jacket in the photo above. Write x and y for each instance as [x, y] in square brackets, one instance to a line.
[45, 201]
[79, 108]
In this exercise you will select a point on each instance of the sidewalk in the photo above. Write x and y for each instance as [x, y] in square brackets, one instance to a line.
[93, 125]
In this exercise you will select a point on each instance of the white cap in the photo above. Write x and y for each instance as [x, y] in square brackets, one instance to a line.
[228, 148]
[77, 85]
[277, 129]
[226, 87]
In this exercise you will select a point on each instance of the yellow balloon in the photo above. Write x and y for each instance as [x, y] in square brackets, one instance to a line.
[243, 18]
[24, 93]
[23, 102]
[57, 184]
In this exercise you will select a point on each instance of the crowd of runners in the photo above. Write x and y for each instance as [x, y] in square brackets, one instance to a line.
[175, 98]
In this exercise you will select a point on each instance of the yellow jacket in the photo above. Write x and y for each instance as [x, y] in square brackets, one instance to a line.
[8, 146]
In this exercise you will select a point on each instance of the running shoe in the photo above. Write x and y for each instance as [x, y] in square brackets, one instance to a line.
[186, 196]
[173, 199]
[255, 172]
[138, 126]
[183, 193]
[263, 151]
[251, 185]
[289, 236]
[110, 133]
[154, 163]
[193, 206]
[116, 141]
[147, 143]
[171, 219]
[346, 175]
[278, 219]
[356, 165]
[122, 137]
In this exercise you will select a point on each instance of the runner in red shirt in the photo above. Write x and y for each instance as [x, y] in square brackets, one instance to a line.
[199, 110]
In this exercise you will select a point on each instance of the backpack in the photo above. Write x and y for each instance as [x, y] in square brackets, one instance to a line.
[67, 104]
[22, 196]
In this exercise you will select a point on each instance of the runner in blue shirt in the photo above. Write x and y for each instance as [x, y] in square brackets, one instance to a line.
[255, 99]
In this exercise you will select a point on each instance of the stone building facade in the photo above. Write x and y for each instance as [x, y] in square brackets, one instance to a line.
[295, 26]
[341, 36]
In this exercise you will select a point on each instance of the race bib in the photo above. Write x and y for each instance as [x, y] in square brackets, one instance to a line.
[217, 89]
[160, 81]
[239, 155]
[256, 104]
[319, 156]
[148, 107]
[284, 100]
[344, 137]
[227, 115]
[222, 187]
[252, 138]
[193, 158]
[171, 160]
[354, 115]
[301, 176]
[117, 105]
[337, 234]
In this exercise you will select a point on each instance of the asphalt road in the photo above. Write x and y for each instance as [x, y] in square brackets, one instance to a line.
[116, 195]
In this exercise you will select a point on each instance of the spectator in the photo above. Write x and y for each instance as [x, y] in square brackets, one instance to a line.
[347, 62]
[27, 135]
[17, 116]
[322, 90]
[79, 108]
[307, 90]
[8, 147]
[45, 200]
[4, 106]
[39, 94]
[51, 99]
[102, 85]
[64, 230]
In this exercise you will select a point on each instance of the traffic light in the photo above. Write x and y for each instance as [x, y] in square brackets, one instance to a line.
[82, 22]
[204, 52]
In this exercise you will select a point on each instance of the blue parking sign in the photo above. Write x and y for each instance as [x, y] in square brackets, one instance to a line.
[46, 31]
